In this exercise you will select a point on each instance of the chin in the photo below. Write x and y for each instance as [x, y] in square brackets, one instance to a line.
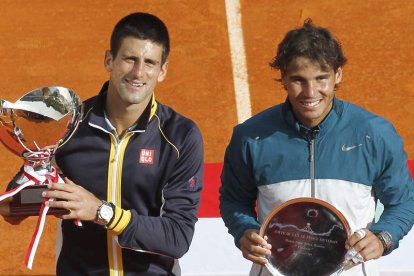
[137, 100]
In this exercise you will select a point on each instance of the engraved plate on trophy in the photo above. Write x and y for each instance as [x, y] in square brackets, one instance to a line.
[34, 127]
[308, 237]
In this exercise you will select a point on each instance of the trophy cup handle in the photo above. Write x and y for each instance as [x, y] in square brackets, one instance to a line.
[9, 142]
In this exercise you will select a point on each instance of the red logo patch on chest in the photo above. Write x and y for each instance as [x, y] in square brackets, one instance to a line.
[146, 156]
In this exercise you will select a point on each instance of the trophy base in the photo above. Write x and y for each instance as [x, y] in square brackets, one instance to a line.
[28, 203]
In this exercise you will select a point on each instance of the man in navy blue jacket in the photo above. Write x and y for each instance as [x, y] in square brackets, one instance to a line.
[133, 167]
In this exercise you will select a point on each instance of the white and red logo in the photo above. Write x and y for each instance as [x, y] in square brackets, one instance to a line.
[192, 183]
[146, 156]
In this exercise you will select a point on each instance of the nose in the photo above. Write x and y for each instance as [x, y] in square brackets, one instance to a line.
[138, 69]
[309, 88]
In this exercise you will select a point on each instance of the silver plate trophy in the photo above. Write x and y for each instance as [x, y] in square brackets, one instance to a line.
[34, 127]
[308, 238]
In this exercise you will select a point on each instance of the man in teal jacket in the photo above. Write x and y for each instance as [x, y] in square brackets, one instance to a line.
[315, 145]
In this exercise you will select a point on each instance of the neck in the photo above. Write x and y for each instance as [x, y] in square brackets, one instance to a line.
[124, 116]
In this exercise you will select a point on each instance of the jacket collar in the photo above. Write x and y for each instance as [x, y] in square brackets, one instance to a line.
[97, 113]
[330, 120]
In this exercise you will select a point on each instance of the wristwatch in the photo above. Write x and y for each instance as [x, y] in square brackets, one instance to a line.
[385, 239]
[105, 213]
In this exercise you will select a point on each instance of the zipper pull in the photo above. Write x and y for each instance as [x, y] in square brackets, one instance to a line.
[311, 135]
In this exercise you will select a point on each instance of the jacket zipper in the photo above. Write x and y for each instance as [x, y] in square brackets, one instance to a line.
[113, 198]
[311, 140]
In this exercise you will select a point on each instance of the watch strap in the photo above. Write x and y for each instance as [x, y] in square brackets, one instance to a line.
[386, 240]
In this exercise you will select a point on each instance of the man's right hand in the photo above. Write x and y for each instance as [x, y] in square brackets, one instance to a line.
[5, 212]
[254, 247]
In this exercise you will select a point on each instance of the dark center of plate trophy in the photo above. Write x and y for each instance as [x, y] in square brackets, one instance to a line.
[308, 238]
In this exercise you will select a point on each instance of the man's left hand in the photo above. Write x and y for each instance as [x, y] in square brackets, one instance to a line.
[81, 203]
[368, 246]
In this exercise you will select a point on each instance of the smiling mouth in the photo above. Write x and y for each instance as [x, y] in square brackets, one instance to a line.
[135, 84]
[310, 103]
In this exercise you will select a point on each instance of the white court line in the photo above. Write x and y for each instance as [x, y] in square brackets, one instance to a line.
[238, 59]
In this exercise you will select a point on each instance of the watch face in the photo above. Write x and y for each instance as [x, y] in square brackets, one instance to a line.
[106, 212]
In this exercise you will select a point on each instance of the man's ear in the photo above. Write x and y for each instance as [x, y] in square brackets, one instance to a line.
[338, 75]
[108, 60]
[283, 81]
[163, 72]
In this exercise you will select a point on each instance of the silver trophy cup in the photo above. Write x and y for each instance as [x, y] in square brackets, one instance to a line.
[34, 127]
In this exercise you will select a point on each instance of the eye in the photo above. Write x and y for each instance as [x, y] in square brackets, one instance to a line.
[150, 63]
[320, 78]
[130, 59]
[297, 80]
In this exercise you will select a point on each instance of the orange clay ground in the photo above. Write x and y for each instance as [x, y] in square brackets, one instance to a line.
[45, 42]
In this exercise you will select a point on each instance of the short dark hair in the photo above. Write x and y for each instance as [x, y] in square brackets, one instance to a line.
[142, 26]
[313, 42]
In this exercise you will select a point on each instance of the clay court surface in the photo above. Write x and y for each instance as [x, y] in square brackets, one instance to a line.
[45, 43]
